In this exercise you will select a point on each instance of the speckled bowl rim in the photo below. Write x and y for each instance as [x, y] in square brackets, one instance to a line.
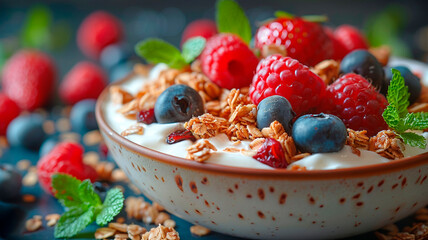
[354, 172]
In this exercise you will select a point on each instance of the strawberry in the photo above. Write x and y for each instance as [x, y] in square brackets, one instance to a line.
[350, 38]
[202, 27]
[304, 40]
[84, 81]
[9, 110]
[97, 31]
[29, 79]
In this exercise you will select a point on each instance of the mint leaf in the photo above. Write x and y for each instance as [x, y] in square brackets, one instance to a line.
[111, 207]
[231, 18]
[413, 139]
[159, 51]
[392, 118]
[192, 48]
[87, 194]
[398, 94]
[35, 32]
[416, 121]
[73, 221]
[283, 14]
[316, 18]
[66, 189]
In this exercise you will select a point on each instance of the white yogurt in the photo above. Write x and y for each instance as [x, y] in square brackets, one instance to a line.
[155, 134]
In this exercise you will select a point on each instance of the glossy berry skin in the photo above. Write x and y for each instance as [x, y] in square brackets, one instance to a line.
[29, 78]
[350, 38]
[26, 131]
[271, 154]
[178, 103]
[305, 41]
[66, 157]
[365, 64]
[228, 61]
[339, 50]
[205, 28]
[97, 31]
[146, 116]
[84, 81]
[357, 103]
[319, 133]
[10, 183]
[412, 82]
[9, 110]
[82, 116]
[275, 108]
[286, 77]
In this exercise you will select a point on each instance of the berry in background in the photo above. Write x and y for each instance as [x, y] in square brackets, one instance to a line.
[10, 183]
[82, 116]
[203, 27]
[350, 38]
[26, 131]
[284, 76]
[65, 158]
[304, 40]
[275, 108]
[411, 80]
[9, 110]
[228, 61]
[319, 133]
[357, 103]
[84, 81]
[362, 62]
[97, 31]
[29, 78]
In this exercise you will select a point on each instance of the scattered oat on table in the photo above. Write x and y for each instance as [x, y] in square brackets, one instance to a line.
[52, 219]
[92, 138]
[23, 164]
[28, 198]
[199, 230]
[34, 223]
[63, 125]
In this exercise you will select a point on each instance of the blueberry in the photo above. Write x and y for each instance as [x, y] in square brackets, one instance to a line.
[178, 103]
[275, 108]
[120, 71]
[365, 64]
[10, 183]
[82, 116]
[319, 133]
[26, 131]
[48, 145]
[412, 82]
[101, 189]
[115, 54]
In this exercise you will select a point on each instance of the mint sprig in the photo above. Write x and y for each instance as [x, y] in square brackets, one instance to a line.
[397, 116]
[83, 205]
[158, 51]
[231, 18]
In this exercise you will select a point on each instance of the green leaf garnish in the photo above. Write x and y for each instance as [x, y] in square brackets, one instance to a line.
[315, 18]
[192, 48]
[111, 207]
[397, 116]
[83, 204]
[231, 18]
[283, 14]
[158, 51]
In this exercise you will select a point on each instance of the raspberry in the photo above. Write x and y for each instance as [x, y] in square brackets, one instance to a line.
[228, 61]
[180, 135]
[146, 116]
[305, 41]
[271, 154]
[66, 158]
[354, 100]
[84, 81]
[29, 79]
[287, 77]
[350, 38]
[97, 31]
[9, 110]
[203, 27]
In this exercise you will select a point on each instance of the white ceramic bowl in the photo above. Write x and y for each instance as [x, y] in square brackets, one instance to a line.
[273, 204]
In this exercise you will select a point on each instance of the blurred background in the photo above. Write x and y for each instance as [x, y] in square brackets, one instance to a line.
[52, 25]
